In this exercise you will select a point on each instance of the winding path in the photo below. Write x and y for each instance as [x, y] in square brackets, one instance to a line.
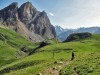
[51, 71]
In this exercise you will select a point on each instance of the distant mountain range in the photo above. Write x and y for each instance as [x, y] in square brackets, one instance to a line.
[62, 33]
[59, 29]
[27, 21]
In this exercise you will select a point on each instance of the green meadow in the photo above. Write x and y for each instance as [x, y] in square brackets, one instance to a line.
[13, 61]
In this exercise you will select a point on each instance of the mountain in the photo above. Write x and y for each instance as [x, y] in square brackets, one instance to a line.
[78, 36]
[64, 35]
[11, 44]
[47, 59]
[89, 29]
[66, 32]
[27, 21]
[59, 29]
[98, 31]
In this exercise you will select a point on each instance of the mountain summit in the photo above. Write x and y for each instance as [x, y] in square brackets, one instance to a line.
[27, 21]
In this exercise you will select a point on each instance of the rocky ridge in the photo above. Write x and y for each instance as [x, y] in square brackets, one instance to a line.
[27, 21]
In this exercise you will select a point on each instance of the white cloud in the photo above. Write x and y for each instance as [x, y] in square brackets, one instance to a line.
[51, 14]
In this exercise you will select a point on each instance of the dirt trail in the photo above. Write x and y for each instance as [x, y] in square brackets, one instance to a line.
[56, 70]
[75, 73]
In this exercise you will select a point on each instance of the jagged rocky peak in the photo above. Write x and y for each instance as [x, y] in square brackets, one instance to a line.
[12, 6]
[28, 21]
[43, 13]
[43, 27]
[26, 12]
[9, 14]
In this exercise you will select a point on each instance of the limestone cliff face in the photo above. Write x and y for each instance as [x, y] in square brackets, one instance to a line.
[28, 21]
[9, 15]
[41, 25]
[27, 12]
[37, 22]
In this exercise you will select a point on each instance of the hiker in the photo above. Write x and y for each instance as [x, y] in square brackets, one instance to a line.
[73, 56]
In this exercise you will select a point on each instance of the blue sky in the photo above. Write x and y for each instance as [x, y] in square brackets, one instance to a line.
[66, 13]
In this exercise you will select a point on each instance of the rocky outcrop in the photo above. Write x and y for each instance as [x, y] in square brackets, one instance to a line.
[78, 36]
[27, 12]
[9, 15]
[28, 21]
[37, 22]
[42, 26]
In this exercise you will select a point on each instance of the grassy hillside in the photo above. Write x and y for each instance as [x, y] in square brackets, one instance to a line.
[86, 62]
[10, 46]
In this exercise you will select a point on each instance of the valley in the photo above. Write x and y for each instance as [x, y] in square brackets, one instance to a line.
[31, 45]
[86, 58]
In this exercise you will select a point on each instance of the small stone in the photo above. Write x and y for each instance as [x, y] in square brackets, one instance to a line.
[60, 62]
[55, 62]
[51, 72]
[54, 68]
[39, 74]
